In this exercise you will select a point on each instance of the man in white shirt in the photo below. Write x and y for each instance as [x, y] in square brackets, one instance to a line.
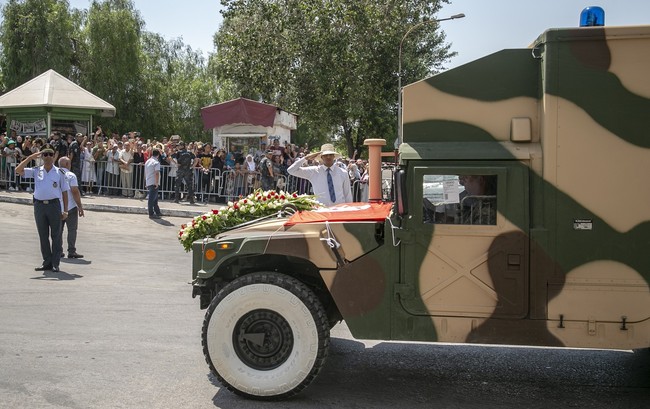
[126, 169]
[113, 169]
[152, 181]
[75, 209]
[331, 184]
[50, 186]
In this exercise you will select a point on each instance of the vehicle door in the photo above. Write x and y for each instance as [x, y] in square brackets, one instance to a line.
[467, 250]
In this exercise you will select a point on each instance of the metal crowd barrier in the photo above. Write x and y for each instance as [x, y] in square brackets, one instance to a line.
[208, 186]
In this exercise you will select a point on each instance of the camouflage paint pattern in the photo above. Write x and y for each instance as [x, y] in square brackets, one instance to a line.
[586, 95]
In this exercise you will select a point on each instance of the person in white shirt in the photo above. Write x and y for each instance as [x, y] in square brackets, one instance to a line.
[152, 182]
[126, 168]
[113, 169]
[50, 187]
[75, 209]
[12, 153]
[331, 184]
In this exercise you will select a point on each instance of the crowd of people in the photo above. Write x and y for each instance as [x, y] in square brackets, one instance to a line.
[127, 165]
[114, 165]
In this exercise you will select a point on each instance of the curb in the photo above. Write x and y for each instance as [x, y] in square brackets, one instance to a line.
[113, 208]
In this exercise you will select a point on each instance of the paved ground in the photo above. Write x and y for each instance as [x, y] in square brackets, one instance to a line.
[119, 329]
[120, 204]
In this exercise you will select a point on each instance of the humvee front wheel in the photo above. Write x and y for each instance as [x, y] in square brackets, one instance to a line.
[265, 336]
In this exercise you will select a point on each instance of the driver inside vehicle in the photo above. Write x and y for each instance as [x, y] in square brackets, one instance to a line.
[478, 202]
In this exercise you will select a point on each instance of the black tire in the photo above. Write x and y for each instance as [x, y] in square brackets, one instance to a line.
[265, 336]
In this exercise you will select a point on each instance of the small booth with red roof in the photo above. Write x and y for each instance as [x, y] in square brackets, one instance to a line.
[246, 126]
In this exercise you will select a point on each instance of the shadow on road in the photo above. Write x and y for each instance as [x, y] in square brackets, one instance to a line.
[77, 261]
[163, 222]
[58, 276]
[389, 375]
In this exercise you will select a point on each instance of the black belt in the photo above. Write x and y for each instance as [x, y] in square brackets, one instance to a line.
[55, 200]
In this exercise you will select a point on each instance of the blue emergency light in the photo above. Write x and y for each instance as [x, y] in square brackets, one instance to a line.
[593, 16]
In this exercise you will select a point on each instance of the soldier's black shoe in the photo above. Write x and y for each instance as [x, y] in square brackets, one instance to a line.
[55, 269]
[75, 255]
[43, 267]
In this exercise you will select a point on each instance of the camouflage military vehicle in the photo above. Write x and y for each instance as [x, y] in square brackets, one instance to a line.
[521, 216]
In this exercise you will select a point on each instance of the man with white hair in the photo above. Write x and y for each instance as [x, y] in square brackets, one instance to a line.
[331, 184]
[75, 209]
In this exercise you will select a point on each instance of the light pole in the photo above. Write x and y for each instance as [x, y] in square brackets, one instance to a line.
[399, 71]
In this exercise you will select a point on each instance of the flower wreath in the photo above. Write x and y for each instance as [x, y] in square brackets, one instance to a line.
[257, 204]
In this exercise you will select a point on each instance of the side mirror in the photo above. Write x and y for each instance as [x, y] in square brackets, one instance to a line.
[399, 192]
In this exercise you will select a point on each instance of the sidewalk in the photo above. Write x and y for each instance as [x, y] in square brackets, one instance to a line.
[121, 205]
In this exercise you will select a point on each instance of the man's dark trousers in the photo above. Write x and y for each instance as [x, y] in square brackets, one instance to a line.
[152, 200]
[48, 224]
[71, 223]
[188, 176]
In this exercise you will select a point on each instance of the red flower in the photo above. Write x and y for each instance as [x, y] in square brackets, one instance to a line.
[183, 226]
[295, 195]
[245, 201]
[204, 217]
[193, 223]
[235, 206]
[282, 197]
[264, 199]
[215, 211]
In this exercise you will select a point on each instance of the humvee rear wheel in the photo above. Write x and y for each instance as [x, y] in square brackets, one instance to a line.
[265, 336]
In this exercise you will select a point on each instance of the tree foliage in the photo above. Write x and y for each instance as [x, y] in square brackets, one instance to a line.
[178, 82]
[334, 62]
[36, 35]
[110, 65]
[157, 86]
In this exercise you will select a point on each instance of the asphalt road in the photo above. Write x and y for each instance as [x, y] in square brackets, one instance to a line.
[119, 329]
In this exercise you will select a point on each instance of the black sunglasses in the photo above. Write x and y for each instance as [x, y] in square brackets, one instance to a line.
[48, 154]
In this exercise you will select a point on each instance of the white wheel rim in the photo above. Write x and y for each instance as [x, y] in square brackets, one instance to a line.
[227, 363]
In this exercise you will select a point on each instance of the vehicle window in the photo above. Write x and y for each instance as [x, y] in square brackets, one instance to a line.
[459, 199]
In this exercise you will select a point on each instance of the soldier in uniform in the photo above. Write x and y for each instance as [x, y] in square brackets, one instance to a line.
[266, 171]
[186, 161]
[59, 145]
[50, 204]
[74, 154]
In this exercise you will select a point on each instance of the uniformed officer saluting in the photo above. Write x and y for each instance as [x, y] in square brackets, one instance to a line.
[49, 185]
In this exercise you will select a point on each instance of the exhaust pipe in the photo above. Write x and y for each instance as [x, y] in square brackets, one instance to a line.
[374, 172]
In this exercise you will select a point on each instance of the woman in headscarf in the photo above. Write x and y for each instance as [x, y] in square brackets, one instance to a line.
[250, 163]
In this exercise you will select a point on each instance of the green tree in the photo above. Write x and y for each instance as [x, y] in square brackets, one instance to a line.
[334, 62]
[36, 35]
[110, 60]
[178, 83]
[157, 86]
